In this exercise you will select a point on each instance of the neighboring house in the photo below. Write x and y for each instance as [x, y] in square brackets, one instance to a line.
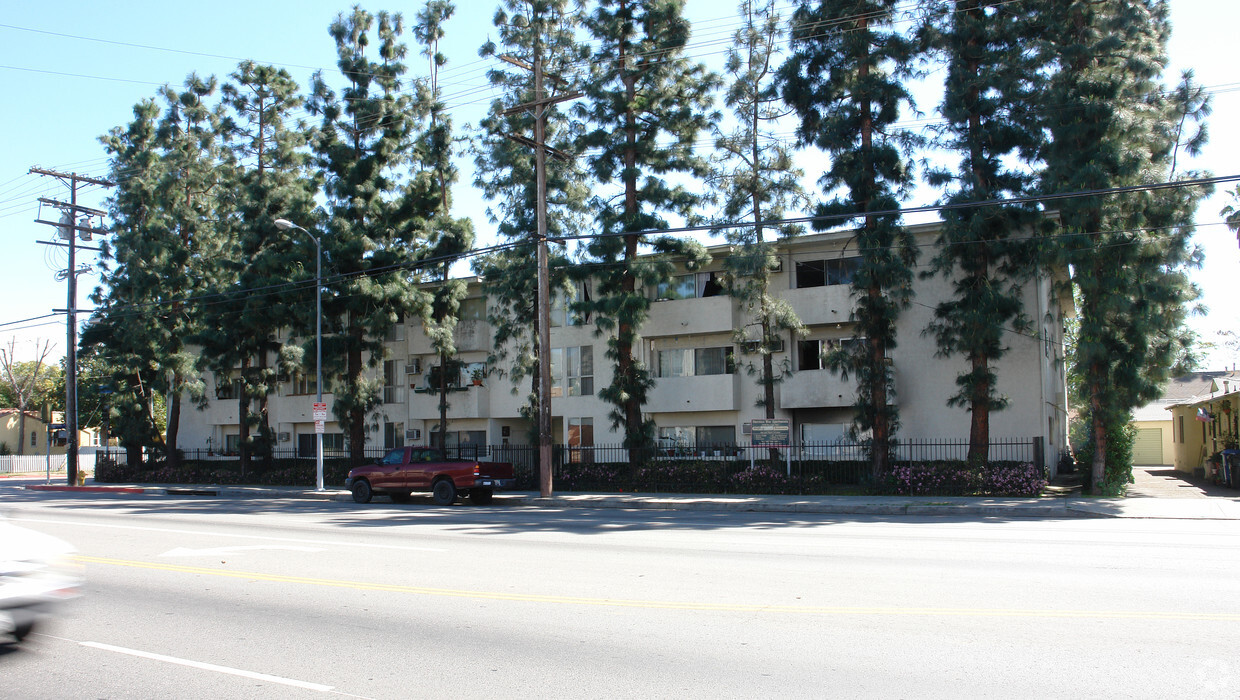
[1155, 439]
[34, 438]
[1204, 418]
[703, 394]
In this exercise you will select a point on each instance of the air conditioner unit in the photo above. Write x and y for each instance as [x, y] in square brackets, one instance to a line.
[414, 365]
[413, 434]
[285, 437]
[747, 428]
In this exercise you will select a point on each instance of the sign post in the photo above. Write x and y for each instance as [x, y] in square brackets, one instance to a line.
[773, 432]
[320, 416]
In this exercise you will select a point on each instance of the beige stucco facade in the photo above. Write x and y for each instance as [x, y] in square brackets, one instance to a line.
[683, 344]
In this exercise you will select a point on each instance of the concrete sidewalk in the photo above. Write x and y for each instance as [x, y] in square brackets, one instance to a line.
[1202, 508]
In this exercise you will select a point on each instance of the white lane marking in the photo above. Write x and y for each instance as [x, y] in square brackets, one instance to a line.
[222, 551]
[330, 543]
[210, 667]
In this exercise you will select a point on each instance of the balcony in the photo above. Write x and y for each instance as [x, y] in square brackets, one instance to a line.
[819, 305]
[683, 316]
[818, 388]
[467, 401]
[715, 392]
[471, 335]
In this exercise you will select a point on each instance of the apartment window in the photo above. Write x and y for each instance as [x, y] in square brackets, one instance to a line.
[473, 309]
[34, 438]
[715, 435]
[303, 384]
[563, 312]
[810, 352]
[452, 376]
[466, 441]
[393, 383]
[1181, 430]
[686, 437]
[226, 387]
[690, 286]
[689, 362]
[232, 443]
[572, 371]
[821, 273]
[332, 442]
[397, 332]
[393, 435]
[675, 438]
[580, 435]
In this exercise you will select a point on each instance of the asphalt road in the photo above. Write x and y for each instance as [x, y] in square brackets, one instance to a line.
[194, 598]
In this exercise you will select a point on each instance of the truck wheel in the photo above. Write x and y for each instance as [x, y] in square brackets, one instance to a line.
[444, 492]
[481, 497]
[361, 491]
[399, 496]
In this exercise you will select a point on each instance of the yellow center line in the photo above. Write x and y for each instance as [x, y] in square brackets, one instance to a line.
[662, 605]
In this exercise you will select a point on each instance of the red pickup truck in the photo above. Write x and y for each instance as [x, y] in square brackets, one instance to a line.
[407, 469]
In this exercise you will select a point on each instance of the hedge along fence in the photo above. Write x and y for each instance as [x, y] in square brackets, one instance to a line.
[714, 469]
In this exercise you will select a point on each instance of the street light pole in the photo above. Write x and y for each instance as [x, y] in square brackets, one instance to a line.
[285, 225]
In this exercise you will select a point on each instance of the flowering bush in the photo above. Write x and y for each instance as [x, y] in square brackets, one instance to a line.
[958, 479]
[590, 476]
[762, 479]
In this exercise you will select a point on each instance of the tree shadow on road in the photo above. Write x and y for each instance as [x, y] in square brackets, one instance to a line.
[496, 519]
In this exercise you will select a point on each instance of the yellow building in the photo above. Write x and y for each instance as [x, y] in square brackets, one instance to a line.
[1206, 423]
[30, 437]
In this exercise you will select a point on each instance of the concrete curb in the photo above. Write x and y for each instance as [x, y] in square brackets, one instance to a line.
[1060, 507]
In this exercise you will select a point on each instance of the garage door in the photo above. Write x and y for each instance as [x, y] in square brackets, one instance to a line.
[1147, 449]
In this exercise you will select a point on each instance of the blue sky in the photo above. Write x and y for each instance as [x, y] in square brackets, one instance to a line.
[73, 70]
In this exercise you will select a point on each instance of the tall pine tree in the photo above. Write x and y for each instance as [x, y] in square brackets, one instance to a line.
[1113, 126]
[758, 182]
[646, 104]
[374, 221]
[448, 237]
[986, 251]
[845, 81]
[268, 179]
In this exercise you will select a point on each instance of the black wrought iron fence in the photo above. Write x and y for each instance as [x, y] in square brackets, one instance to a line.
[706, 468]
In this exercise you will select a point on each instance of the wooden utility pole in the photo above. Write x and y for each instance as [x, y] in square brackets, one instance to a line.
[71, 228]
[539, 108]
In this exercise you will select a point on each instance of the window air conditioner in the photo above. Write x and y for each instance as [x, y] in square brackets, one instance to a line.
[747, 428]
[414, 365]
[413, 434]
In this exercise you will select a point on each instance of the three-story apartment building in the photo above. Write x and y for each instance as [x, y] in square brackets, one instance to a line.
[703, 393]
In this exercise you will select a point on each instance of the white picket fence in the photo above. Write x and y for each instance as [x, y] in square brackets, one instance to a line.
[38, 464]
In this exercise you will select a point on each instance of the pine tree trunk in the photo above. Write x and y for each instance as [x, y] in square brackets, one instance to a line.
[626, 332]
[880, 462]
[357, 414]
[1098, 427]
[263, 416]
[243, 415]
[174, 423]
[979, 413]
